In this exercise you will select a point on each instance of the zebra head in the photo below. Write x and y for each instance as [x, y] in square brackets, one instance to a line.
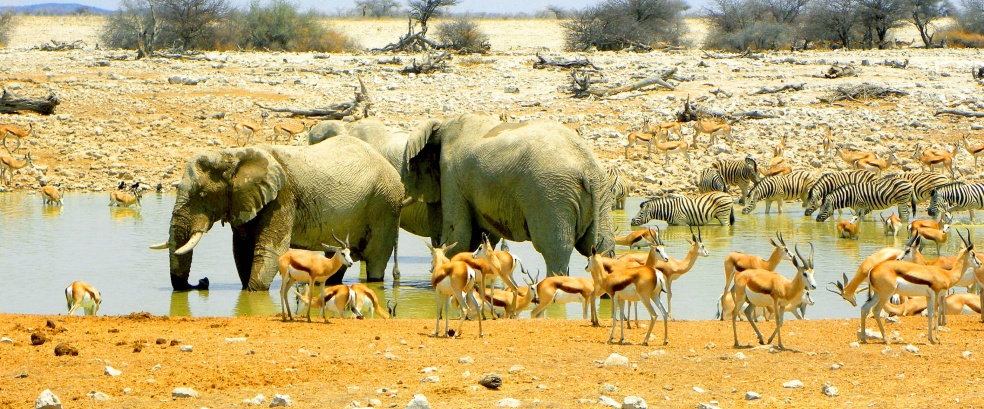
[826, 210]
[938, 204]
[645, 214]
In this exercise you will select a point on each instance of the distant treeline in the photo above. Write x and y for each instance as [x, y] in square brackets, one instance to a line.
[54, 9]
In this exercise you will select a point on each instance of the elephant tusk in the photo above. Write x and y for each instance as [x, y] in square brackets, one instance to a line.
[408, 201]
[159, 246]
[190, 245]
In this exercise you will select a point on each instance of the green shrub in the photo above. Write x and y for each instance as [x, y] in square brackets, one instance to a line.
[6, 26]
[463, 34]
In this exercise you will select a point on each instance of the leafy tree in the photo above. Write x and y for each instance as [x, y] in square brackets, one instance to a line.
[377, 8]
[620, 24]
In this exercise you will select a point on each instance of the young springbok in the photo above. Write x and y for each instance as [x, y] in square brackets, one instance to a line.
[672, 268]
[80, 294]
[123, 199]
[711, 128]
[500, 302]
[974, 150]
[244, 131]
[562, 290]
[289, 131]
[892, 224]
[761, 288]
[499, 263]
[848, 229]
[645, 134]
[635, 239]
[667, 147]
[737, 261]
[641, 282]
[51, 195]
[310, 267]
[336, 300]
[8, 165]
[911, 279]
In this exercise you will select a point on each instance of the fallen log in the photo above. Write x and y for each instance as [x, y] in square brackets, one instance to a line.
[746, 54]
[959, 113]
[357, 109]
[689, 113]
[897, 64]
[861, 92]
[11, 104]
[61, 45]
[720, 92]
[773, 90]
[541, 63]
[581, 82]
[429, 65]
[836, 71]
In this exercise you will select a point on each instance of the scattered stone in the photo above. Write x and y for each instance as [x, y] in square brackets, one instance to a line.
[466, 360]
[256, 401]
[706, 406]
[698, 389]
[429, 369]
[156, 368]
[390, 356]
[47, 400]
[835, 367]
[511, 89]
[965, 354]
[184, 393]
[239, 339]
[739, 356]
[431, 379]
[98, 396]
[609, 388]
[710, 346]
[509, 403]
[419, 402]
[795, 383]
[634, 402]
[375, 403]
[516, 368]
[6, 340]
[112, 371]
[609, 402]
[491, 381]
[616, 360]
[855, 344]
[912, 348]
[752, 395]
[186, 348]
[280, 400]
[160, 341]
[65, 349]
[828, 389]
[38, 338]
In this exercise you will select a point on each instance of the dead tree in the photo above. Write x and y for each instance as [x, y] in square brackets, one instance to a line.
[688, 114]
[978, 73]
[541, 63]
[838, 71]
[429, 65]
[897, 64]
[421, 11]
[357, 109]
[773, 90]
[959, 113]
[721, 93]
[11, 104]
[61, 46]
[581, 84]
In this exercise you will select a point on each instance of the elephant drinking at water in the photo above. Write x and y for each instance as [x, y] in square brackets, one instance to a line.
[277, 198]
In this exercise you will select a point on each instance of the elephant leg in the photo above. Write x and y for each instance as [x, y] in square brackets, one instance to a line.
[555, 243]
[396, 258]
[383, 234]
[243, 244]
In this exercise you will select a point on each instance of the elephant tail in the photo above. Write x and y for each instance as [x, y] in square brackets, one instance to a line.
[599, 233]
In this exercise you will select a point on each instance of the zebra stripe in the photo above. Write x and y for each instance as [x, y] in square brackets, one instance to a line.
[957, 196]
[829, 182]
[924, 183]
[710, 180]
[738, 172]
[790, 186]
[620, 185]
[868, 196]
[682, 210]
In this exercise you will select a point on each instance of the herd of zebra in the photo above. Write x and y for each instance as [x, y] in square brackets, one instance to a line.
[862, 191]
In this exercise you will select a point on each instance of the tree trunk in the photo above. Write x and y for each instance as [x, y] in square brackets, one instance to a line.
[11, 104]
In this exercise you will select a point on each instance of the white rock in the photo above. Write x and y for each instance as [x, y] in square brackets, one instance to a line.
[795, 383]
[616, 360]
[112, 371]
[608, 388]
[609, 402]
[829, 389]
[912, 348]
[184, 393]
[739, 356]
[239, 339]
[98, 396]
[707, 406]
[429, 369]
[390, 356]
[156, 368]
[752, 395]
[6, 340]
[835, 367]
[47, 400]
[186, 348]
[634, 402]
[431, 379]
[509, 403]
[855, 344]
[281, 400]
[257, 400]
[466, 360]
[965, 354]
[375, 403]
[698, 390]
[419, 402]
[127, 391]
[516, 368]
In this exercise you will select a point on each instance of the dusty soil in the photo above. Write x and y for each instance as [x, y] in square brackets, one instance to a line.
[122, 119]
[347, 361]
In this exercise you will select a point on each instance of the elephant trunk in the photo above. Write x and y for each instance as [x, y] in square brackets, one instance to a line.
[184, 235]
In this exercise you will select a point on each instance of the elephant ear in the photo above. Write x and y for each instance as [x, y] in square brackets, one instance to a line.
[422, 162]
[256, 179]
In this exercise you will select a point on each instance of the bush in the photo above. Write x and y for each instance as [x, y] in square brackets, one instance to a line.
[960, 38]
[758, 36]
[972, 17]
[6, 26]
[278, 26]
[619, 24]
[462, 34]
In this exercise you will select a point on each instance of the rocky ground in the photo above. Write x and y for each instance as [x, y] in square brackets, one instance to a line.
[139, 361]
[140, 120]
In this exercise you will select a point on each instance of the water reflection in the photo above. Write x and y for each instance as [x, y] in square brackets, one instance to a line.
[111, 253]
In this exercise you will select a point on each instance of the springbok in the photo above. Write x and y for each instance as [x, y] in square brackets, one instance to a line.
[737, 261]
[672, 268]
[641, 282]
[711, 128]
[761, 288]
[892, 224]
[848, 229]
[9, 164]
[305, 266]
[80, 294]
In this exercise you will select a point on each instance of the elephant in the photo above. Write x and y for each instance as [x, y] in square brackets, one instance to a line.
[536, 181]
[277, 198]
[422, 219]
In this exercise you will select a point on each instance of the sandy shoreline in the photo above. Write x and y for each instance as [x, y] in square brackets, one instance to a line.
[332, 365]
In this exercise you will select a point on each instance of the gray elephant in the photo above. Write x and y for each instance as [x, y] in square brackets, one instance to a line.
[534, 181]
[277, 198]
[422, 219]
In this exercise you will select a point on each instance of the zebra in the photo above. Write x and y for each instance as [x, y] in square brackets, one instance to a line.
[710, 180]
[620, 185]
[867, 196]
[790, 186]
[828, 182]
[738, 172]
[683, 210]
[923, 183]
[957, 196]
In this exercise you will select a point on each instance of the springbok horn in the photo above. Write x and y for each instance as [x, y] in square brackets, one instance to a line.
[429, 246]
[159, 246]
[811, 254]
[797, 248]
[336, 237]
[347, 244]
[190, 245]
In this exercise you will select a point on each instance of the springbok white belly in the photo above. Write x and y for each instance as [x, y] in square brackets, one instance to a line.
[561, 297]
[761, 300]
[967, 279]
[630, 293]
[298, 275]
[87, 301]
[911, 290]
